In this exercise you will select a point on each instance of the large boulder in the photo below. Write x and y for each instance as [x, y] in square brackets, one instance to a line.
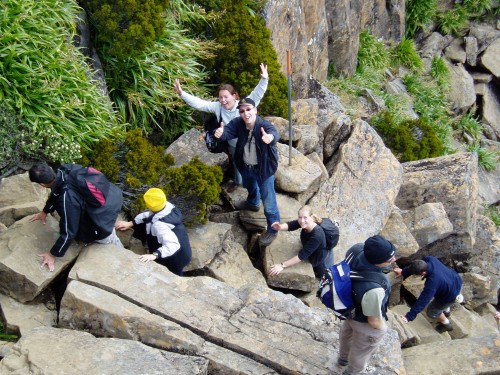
[462, 93]
[61, 351]
[396, 231]
[21, 276]
[361, 191]
[453, 181]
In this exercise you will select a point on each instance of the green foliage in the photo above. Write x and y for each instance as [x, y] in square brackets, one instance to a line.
[44, 78]
[405, 53]
[142, 86]
[410, 139]
[144, 161]
[493, 212]
[440, 72]
[453, 21]
[419, 14]
[128, 27]
[11, 128]
[372, 52]
[197, 183]
[5, 336]
[246, 43]
[488, 160]
[477, 7]
[469, 125]
[102, 157]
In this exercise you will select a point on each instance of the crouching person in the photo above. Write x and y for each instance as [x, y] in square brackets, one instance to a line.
[162, 228]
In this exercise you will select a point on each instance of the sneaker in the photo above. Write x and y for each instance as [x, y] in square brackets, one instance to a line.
[441, 328]
[342, 362]
[267, 238]
[369, 370]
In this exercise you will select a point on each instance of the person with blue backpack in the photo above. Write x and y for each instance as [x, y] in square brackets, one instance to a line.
[162, 229]
[79, 218]
[363, 331]
[313, 239]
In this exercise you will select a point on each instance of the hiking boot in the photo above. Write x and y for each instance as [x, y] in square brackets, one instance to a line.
[342, 362]
[441, 328]
[249, 207]
[267, 238]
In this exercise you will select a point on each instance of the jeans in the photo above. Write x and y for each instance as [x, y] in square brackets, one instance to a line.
[237, 175]
[257, 190]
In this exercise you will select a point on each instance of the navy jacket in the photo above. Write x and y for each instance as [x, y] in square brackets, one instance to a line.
[267, 154]
[441, 283]
[77, 220]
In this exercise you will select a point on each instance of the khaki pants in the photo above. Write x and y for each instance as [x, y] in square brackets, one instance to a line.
[357, 343]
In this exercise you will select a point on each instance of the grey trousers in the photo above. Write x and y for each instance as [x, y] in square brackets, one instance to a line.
[357, 343]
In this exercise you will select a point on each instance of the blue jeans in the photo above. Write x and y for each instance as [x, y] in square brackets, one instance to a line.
[237, 176]
[258, 189]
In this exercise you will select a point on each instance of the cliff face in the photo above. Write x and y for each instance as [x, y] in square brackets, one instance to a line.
[323, 32]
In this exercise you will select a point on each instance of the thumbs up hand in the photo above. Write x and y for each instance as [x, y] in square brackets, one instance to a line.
[266, 137]
[220, 130]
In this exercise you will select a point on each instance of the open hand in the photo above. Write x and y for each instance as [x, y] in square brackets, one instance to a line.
[49, 260]
[42, 216]
[263, 71]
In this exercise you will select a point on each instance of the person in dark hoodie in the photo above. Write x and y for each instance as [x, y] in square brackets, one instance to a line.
[442, 288]
[77, 220]
[162, 228]
[361, 334]
[256, 157]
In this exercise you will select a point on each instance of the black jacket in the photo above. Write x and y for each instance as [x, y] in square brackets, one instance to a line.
[267, 154]
[77, 220]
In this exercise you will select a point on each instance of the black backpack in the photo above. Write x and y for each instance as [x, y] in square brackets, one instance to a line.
[92, 185]
[214, 145]
[331, 229]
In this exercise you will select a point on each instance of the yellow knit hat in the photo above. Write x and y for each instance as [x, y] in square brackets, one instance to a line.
[155, 199]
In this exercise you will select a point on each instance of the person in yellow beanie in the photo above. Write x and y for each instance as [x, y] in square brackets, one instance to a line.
[162, 229]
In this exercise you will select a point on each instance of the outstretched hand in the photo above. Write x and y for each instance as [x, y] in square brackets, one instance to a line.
[219, 131]
[266, 137]
[177, 86]
[49, 260]
[42, 216]
[276, 225]
[124, 225]
[263, 71]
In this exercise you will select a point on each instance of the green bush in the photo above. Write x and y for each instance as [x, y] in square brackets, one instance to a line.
[453, 21]
[477, 7]
[372, 52]
[11, 128]
[419, 14]
[440, 72]
[406, 54]
[410, 139]
[469, 125]
[488, 160]
[246, 43]
[45, 79]
[128, 27]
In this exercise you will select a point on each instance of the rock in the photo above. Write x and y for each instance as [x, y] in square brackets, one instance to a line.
[240, 235]
[470, 323]
[314, 157]
[485, 35]
[396, 231]
[478, 289]
[336, 134]
[361, 191]
[191, 144]
[256, 221]
[302, 178]
[455, 52]
[206, 241]
[487, 248]
[21, 276]
[21, 318]
[85, 307]
[232, 266]
[298, 277]
[451, 180]
[258, 323]
[462, 93]
[283, 127]
[471, 49]
[491, 109]
[470, 356]
[305, 111]
[428, 223]
[63, 351]
[309, 141]
[19, 197]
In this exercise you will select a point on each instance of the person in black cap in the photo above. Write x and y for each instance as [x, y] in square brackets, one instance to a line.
[256, 158]
[361, 334]
[442, 289]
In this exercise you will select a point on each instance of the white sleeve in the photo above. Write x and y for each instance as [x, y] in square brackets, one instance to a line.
[167, 238]
[258, 92]
[201, 104]
[139, 219]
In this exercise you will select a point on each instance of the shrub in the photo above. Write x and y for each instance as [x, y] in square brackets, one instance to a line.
[453, 21]
[246, 43]
[493, 212]
[405, 53]
[477, 7]
[128, 27]
[440, 72]
[45, 80]
[468, 124]
[488, 160]
[410, 139]
[11, 128]
[419, 14]
[372, 52]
